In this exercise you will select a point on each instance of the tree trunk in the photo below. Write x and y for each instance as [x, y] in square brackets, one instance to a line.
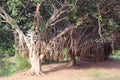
[35, 65]
[16, 43]
[36, 62]
[72, 59]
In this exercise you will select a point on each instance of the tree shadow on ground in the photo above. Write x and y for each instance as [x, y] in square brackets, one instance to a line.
[85, 65]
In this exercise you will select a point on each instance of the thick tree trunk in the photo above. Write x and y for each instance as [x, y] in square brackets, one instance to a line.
[36, 62]
[35, 65]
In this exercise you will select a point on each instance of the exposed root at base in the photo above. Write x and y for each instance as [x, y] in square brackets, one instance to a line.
[31, 73]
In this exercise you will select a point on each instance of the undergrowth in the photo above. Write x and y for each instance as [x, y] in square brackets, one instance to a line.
[7, 68]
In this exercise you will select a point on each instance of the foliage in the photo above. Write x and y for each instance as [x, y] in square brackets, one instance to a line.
[116, 56]
[65, 54]
[6, 41]
[23, 12]
[117, 52]
[112, 24]
[8, 68]
[22, 63]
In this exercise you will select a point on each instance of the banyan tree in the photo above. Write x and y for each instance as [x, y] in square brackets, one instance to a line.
[84, 38]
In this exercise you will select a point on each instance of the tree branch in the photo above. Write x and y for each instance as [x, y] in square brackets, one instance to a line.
[57, 21]
[37, 17]
[99, 24]
[2, 16]
[56, 14]
[66, 30]
[22, 34]
[52, 5]
[9, 20]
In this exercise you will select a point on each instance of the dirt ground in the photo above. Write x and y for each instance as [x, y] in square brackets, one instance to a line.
[85, 70]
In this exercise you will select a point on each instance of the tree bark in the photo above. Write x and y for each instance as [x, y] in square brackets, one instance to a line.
[72, 59]
[99, 24]
[36, 63]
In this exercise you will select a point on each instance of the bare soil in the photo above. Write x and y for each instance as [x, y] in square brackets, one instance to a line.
[84, 70]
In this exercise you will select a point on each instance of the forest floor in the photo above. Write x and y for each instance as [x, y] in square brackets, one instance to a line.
[84, 70]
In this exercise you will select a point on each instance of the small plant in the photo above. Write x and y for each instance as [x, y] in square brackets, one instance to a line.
[7, 68]
[65, 54]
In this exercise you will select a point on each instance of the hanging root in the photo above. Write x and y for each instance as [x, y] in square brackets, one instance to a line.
[97, 51]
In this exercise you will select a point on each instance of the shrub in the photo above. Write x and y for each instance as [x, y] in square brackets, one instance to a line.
[22, 63]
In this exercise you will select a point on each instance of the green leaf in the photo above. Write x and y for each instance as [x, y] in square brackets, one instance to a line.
[112, 24]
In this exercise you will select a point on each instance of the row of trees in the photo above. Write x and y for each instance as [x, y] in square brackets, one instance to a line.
[45, 27]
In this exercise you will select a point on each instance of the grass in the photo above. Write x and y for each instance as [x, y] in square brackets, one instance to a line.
[99, 75]
[109, 78]
[7, 68]
[22, 63]
[113, 78]
[96, 73]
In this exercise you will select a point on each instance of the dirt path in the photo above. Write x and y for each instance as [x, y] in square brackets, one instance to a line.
[108, 70]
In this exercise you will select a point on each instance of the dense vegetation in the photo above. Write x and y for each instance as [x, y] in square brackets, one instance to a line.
[102, 17]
